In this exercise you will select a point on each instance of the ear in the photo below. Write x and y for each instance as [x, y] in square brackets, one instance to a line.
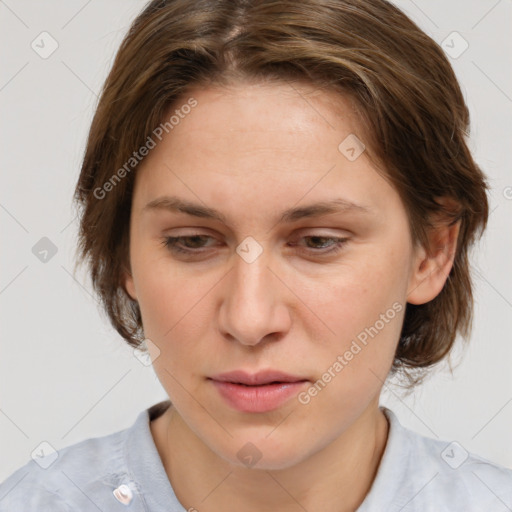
[128, 284]
[432, 265]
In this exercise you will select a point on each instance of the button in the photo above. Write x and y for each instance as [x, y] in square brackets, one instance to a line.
[123, 494]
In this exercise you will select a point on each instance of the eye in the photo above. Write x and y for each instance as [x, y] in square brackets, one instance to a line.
[336, 244]
[196, 244]
[171, 242]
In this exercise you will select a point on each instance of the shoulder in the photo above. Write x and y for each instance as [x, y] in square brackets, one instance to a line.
[68, 479]
[25, 490]
[418, 473]
[463, 479]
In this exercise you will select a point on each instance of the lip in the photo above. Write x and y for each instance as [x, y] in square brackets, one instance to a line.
[259, 392]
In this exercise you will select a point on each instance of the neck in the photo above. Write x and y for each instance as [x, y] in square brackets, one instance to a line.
[335, 479]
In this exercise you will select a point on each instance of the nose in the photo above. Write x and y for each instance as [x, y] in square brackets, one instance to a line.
[254, 305]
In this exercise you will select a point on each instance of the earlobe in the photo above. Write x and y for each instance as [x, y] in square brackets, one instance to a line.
[432, 267]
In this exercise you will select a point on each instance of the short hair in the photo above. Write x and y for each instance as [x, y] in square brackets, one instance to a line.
[408, 100]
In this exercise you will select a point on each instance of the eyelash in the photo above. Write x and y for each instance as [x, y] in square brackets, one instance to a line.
[171, 244]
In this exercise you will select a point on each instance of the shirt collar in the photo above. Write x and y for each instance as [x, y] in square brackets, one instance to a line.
[145, 466]
[385, 492]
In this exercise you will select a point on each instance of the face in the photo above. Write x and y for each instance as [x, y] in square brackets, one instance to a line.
[236, 270]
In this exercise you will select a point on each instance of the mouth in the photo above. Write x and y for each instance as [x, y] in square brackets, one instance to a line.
[259, 392]
[258, 379]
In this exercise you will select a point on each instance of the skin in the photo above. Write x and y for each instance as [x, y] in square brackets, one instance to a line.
[252, 151]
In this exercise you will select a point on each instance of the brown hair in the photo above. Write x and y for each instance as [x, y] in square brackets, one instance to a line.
[415, 118]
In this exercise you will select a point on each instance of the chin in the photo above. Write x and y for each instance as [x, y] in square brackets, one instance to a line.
[263, 454]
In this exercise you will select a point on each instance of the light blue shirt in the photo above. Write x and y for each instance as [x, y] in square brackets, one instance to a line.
[416, 474]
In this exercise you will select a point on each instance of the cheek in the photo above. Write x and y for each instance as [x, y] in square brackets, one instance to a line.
[170, 306]
[364, 307]
[363, 290]
[167, 298]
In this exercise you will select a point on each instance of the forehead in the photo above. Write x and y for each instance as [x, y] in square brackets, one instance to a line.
[269, 143]
[275, 108]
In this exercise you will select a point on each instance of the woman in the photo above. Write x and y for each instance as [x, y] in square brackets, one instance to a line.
[277, 203]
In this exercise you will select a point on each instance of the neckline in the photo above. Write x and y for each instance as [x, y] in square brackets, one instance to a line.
[156, 490]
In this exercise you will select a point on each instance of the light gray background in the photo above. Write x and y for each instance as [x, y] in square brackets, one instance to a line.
[65, 374]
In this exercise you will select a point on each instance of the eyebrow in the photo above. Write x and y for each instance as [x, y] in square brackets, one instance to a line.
[175, 204]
